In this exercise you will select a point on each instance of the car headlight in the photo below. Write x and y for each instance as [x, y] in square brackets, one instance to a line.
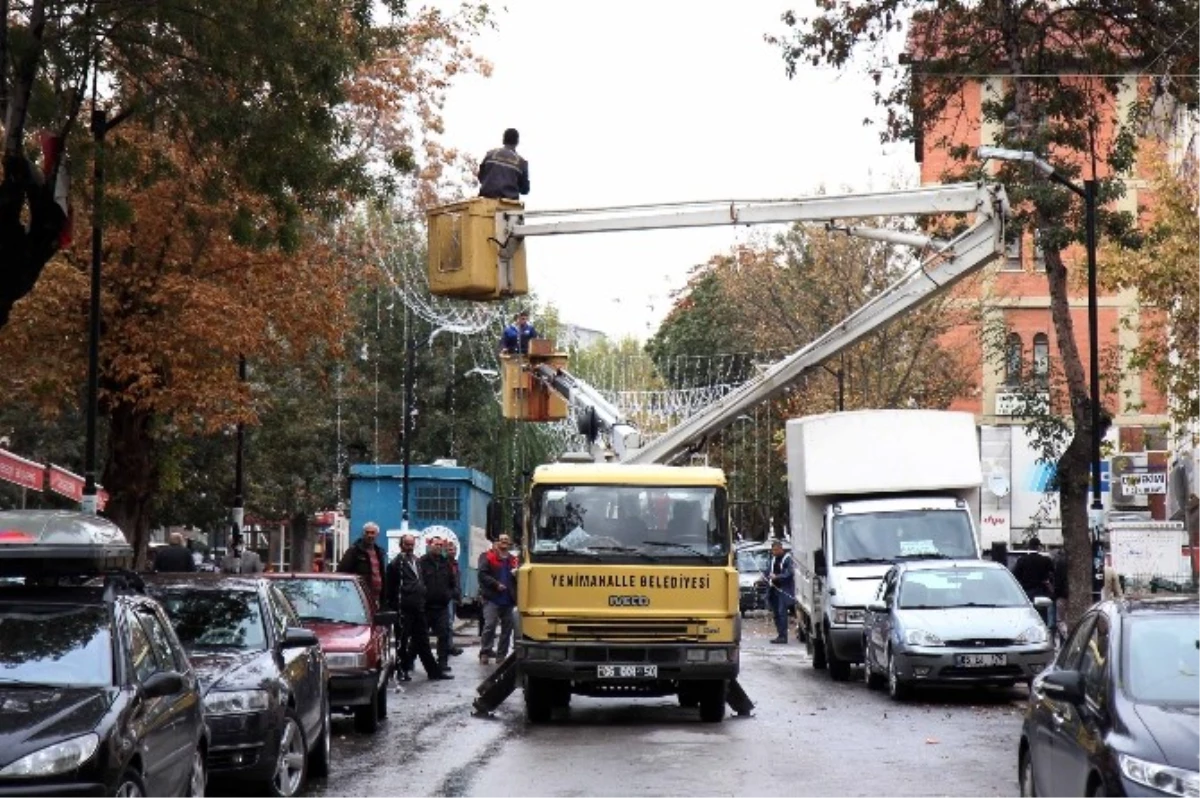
[54, 759]
[1034, 634]
[345, 660]
[919, 637]
[1172, 781]
[235, 702]
[848, 617]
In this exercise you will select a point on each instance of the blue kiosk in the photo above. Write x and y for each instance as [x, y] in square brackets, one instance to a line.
[438, 495]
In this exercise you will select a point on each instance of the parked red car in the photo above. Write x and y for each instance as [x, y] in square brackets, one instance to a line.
[358, 647]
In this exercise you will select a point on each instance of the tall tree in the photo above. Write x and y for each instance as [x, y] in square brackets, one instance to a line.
[1064, 65]
[263, 81]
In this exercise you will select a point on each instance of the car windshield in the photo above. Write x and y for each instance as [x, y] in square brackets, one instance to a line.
[943, 588]
[908, 534]
[206, 619]
[1162, 658]
[751, 562]
[628, 523]
[336, 600]
[55, 645]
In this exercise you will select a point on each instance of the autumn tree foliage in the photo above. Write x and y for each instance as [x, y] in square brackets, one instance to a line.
[1163, 272]
[1061, 70]
[259, 81]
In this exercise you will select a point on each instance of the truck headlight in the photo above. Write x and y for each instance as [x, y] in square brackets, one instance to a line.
[1169, 780]
[848, 617]
[919, 637]
[340, 661]
[53, 759]
[236, 702]
[696, 655]
[1034, 634]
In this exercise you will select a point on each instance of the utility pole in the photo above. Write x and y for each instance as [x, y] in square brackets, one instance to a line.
[100, 125]
[239, 476]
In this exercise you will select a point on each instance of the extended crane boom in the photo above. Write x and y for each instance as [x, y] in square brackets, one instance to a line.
[947, 263]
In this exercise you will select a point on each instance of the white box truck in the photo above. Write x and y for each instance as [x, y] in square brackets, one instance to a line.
[867, 489]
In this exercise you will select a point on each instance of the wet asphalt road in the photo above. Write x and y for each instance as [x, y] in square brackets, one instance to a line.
[808, 736]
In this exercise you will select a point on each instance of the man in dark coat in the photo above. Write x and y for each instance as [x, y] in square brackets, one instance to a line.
[1035, 571]
[368, 561]
[782, 578]
[502, 173]
[439, 592]
[406, 594]
[174, 557]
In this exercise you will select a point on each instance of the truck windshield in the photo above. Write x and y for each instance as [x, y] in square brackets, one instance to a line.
[628, 523]
[908, 534]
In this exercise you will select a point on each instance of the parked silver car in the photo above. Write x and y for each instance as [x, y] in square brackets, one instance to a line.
[952, 622]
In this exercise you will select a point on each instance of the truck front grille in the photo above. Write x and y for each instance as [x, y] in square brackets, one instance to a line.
[626, 629]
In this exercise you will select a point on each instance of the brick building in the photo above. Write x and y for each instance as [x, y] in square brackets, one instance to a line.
[1014, 344]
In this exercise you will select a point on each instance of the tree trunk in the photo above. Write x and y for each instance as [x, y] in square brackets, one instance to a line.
[131, 475]
[1075, 462]
[302, 544]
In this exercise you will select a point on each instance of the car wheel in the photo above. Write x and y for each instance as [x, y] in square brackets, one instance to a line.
[366, 717]
[1025, 768]
[198, 779]
[318, 758]
[897, 689]
[873, 680]
[130, 785]
[712, 702]
[1097, 790]
[290, 761]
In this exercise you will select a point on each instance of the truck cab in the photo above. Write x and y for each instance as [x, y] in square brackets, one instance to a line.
[628, 587]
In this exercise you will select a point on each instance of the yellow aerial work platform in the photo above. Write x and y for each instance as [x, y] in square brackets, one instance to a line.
[525, 397]
[470, 256]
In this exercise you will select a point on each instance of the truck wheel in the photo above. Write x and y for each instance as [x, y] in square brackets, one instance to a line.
[839, 669]
[539, 701]
[561, 695]
[688, 696]
[712, 702]
[816, 650]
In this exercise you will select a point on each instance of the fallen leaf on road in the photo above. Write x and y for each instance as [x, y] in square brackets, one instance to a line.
[931, 741]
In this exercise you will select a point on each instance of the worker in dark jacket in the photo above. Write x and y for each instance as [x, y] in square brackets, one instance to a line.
[439, 592]
[1035, 571]
[368, 562]
[503, 174]
[781, 578]
[406, 594]
[516, 337]
[174, 557]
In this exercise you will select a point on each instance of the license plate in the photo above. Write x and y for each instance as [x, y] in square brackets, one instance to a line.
[981, 660]
[627, 671]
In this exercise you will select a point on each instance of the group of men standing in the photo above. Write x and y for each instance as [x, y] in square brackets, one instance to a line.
[424, 591]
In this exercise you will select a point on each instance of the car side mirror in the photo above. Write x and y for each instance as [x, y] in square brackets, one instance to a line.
[298, 637]
[819, 562]
[878, 606]
[1042, 602]
[386, 618]
[1064, 685]
[163, 683]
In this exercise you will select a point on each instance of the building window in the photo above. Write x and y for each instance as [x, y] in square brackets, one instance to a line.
[1041, 360]
[1039, 254]
[1012, 255]
[437, 503]
[1014, 354]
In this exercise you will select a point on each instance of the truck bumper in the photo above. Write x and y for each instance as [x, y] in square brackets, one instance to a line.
[846, 642]
[581, 662]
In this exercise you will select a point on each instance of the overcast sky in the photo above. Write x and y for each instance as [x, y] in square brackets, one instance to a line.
[626, 102]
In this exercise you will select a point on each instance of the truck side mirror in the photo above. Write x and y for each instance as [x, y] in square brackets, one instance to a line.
[819, 562]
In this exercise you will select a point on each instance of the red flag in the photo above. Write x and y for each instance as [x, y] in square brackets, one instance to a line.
[52, 147]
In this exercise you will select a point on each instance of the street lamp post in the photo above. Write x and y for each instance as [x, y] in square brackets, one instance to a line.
[239, 473]
[100, 125]
[1088, 193]
[409, 376]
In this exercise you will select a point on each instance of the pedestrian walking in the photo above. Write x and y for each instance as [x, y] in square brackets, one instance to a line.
[406, 595]
[367, 560]
[502, 173]
[239, 560]
[439, 592]
[782, 580]
[498, 591]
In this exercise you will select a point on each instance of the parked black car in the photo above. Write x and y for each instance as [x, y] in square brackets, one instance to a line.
[96, 693]
[263, 676]
[1118, 713]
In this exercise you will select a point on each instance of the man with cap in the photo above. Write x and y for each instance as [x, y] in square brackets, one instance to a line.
[239, 560]
[502, 173]
[782, 579]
